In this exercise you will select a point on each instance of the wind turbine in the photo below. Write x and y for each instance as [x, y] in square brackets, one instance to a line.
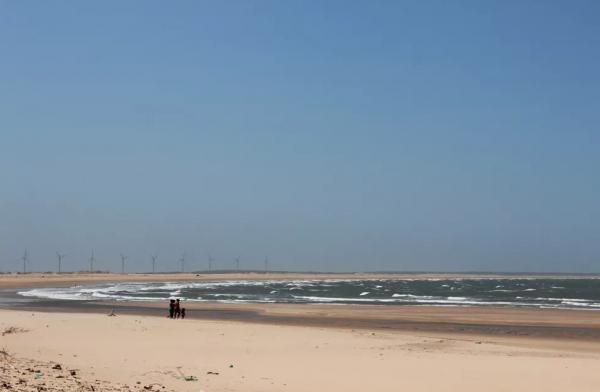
[182, 261]
[237, 263]
[154, 257]
[25, 259]
[210, 262]
[92, 259]
[123, 258]
[266, 263]
[60, 257]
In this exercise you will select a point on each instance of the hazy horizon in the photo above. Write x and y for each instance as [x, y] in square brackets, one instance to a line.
[329, 136]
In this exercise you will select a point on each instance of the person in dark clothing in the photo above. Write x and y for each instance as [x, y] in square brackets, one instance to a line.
[182, 313]
[172, 308]
[177, 309]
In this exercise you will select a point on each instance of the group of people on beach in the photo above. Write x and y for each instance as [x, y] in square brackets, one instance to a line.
[175, 309]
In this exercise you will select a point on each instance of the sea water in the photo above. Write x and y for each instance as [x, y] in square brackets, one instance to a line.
[581, 293]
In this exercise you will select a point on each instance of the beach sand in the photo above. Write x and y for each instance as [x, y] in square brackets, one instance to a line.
[276, 347]
[128, 349]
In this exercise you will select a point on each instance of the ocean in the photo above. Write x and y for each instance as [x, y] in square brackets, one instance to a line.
[540, 293]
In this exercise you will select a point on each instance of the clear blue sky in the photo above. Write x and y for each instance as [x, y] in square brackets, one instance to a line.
[329, 135]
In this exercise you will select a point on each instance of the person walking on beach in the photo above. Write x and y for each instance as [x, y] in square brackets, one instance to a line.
[172, 308]
[177, 309]
[182, 313]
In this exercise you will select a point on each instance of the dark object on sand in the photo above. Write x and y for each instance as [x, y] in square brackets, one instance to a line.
[177, 308]
[172, 308]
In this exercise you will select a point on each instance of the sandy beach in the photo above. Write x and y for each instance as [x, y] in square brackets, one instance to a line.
[282, 347]
[233, 356]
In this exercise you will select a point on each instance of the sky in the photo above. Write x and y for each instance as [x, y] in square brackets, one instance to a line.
[326, 135]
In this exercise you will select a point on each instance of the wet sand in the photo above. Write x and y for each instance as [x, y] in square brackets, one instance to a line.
[560, 324]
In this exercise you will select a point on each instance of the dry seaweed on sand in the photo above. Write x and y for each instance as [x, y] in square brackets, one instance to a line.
[12, 330]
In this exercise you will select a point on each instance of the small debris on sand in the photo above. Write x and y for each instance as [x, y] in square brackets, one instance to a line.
[11, 330]
[27, 375]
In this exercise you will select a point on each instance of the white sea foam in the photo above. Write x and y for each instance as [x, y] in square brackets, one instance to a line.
[54, 294]
[581, 304]
[412, 296]
[440, 301]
